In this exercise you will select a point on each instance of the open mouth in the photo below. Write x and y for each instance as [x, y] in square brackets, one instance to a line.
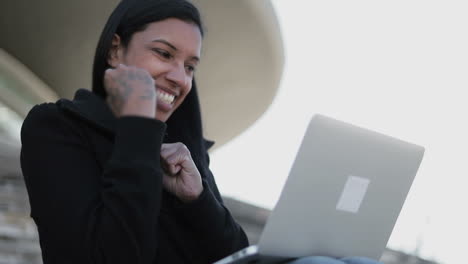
[165, 97]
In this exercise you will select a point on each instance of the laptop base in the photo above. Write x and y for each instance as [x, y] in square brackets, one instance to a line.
[250, 255]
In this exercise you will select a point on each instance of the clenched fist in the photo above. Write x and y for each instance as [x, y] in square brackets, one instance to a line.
[181, 177]
[130, 91]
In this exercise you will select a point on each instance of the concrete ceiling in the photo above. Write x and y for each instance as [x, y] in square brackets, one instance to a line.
[242, 58]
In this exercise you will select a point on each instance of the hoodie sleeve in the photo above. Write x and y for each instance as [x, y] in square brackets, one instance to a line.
[85, 213]
[213, 223]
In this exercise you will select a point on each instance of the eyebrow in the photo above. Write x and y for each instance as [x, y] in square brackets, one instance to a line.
[167, 43]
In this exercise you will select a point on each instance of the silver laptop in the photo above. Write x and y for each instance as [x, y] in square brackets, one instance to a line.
[342, 197]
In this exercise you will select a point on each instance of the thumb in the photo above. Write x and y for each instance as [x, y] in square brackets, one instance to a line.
[169, 168]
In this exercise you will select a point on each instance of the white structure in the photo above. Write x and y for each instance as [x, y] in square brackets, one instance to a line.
[48, 48]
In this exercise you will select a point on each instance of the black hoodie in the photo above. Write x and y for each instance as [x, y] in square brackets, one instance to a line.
[95, 188]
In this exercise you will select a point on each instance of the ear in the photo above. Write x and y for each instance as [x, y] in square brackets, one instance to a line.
[115, 52]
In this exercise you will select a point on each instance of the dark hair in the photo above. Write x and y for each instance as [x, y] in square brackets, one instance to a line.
[132, 16]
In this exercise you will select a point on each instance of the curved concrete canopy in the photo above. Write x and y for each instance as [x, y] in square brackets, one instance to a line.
[20, 88]
[239, 75]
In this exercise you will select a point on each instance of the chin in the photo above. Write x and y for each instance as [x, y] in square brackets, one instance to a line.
[163, 117]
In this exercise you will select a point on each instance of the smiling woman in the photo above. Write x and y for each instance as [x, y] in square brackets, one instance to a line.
[133, 183]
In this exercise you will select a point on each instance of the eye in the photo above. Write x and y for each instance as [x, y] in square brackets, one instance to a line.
[163, 53]
[190, 68]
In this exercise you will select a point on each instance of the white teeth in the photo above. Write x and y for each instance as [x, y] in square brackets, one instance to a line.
[168, 98]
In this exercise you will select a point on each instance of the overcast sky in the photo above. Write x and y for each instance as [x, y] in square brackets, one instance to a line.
[397, 67]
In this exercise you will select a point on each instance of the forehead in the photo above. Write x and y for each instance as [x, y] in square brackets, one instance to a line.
[185, 36]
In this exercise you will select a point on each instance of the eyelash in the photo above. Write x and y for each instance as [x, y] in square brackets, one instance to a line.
[168, 55]
[191, 68]
[163, 53]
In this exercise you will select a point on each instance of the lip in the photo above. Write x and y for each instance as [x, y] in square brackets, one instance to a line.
[167, 90]
[163, 105]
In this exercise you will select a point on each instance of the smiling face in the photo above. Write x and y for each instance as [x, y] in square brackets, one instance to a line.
[169, 50]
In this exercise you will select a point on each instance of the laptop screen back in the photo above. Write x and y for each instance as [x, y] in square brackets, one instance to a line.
[344, 193]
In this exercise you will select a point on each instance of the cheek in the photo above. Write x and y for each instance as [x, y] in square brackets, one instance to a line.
[188, 88]
[151, 64]
[185, 91]
[148, 62]
[136, 61]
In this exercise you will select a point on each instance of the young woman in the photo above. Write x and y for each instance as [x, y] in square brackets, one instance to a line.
[120, 174]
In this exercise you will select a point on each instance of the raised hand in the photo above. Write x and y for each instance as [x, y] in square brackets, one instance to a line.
[181, 176]
[130, 91]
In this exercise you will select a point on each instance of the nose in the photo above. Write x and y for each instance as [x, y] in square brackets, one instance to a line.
[177, 75]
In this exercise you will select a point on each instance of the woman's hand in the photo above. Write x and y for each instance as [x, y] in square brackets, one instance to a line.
[181, 177]
[130, 91]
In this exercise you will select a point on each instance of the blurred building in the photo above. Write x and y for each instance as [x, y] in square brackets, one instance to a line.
[46, 53]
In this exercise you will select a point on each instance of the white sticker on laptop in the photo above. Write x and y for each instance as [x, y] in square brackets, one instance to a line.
[353, 194]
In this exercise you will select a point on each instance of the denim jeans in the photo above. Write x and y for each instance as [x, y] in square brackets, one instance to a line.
[327, 260]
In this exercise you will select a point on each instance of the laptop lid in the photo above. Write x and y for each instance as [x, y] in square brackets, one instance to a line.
[343, 195]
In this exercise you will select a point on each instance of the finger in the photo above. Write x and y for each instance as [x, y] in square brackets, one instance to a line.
[177, 157]
[168, 149]
[172, 145]
[177, 154]
[171, 169]
[174, 169]
[108, 73]
[172, 149]
[182, 158]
